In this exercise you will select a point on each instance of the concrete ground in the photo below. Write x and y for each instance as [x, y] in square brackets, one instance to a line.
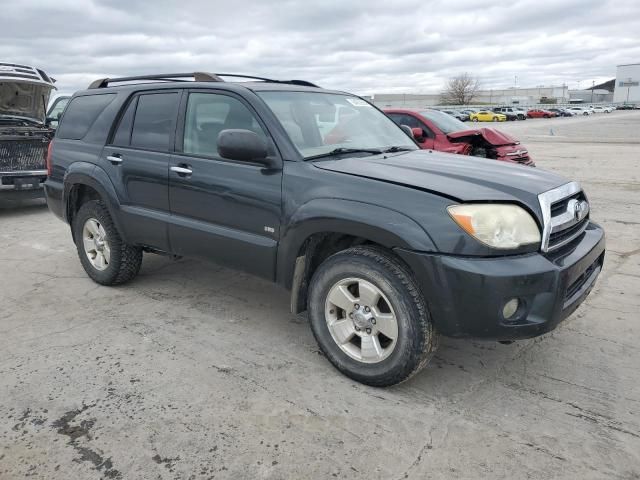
[193, 371]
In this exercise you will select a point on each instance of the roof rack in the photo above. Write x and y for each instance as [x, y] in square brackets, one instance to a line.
[197, 77]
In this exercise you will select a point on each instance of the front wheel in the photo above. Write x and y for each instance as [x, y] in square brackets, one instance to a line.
[369, 317]
[474, 119]
[495, 119]
[103, 254]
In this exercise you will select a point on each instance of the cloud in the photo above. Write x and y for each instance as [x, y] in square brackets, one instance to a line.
[364, 46]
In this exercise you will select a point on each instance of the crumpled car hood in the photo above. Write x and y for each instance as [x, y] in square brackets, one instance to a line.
[491, 135]
[459, 177]
[24, 99]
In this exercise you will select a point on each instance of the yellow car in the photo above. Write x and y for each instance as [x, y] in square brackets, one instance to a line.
[487, 116]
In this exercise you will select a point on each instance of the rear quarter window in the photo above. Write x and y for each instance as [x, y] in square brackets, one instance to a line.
[81, 113]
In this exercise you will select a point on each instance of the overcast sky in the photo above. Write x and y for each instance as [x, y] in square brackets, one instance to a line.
[366, 47]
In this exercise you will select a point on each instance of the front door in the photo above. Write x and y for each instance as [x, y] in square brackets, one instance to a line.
[222, 210]
[427, 140]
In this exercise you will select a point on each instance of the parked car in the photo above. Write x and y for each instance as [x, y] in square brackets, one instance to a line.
[561, 112]
[385, 245]
[24, 135]
[56, 107]
[435, 131]
[468, 111]
[626, 106]
[602, 109]
[487, 116]
[579, 111]
[511, 113]
[463, 117]
[540, 113]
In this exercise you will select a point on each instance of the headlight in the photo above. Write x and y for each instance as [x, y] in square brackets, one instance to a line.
[497, 225]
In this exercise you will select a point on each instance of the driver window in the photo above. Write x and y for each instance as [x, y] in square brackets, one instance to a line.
[207, 115]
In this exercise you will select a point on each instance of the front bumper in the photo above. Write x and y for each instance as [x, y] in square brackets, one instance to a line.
[27, 184]
[466, 295]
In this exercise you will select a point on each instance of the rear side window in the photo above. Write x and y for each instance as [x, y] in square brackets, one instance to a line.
[81, 113]
[122, 136]
[155, 121]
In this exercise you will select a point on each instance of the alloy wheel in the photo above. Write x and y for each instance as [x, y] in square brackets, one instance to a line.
[96, 244]
[361, 320]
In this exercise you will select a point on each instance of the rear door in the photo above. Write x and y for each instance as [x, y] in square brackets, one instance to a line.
[223, 210]
[137, 160]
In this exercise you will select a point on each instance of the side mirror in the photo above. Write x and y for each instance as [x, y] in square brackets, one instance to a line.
[407, 129]
[51, 122]
[245, 146]
[418, 134]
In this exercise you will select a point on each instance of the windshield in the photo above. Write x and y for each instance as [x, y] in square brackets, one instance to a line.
[320, 123]
[446, 123]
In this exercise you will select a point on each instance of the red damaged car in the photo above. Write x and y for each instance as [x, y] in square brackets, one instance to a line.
[435, 130]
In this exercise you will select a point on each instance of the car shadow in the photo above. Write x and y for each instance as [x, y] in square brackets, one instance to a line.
[457, 364]
[13, 208]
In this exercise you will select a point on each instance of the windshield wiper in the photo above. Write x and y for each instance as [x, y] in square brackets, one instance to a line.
[343, 150]
[396, 148]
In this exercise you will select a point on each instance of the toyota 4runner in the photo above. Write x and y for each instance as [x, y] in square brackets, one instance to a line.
[385, 245]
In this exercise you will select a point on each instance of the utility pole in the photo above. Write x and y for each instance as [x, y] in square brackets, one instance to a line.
[593, 84]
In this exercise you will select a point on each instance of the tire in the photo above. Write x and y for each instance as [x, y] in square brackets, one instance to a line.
[495, 119]
[124, 260]
[393, 360]
[474, 119]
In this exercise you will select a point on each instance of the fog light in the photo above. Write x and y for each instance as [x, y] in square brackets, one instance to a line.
[510, 308]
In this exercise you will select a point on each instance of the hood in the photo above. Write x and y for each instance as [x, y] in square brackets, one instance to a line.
[491, 136]
[24, 99]
[459, 177]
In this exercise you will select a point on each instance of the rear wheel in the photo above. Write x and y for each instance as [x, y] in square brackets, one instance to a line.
[103, 254]
[369, 317]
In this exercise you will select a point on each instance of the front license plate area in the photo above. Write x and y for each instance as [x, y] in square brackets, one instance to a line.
[26, 183]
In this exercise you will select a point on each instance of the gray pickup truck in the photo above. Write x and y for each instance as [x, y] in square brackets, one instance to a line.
[385, 245]
[24, 133]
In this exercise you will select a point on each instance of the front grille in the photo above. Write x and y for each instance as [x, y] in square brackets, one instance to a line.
[574, 289]
[23, 154]
[558, 208]
[566, 235]
[565, 213]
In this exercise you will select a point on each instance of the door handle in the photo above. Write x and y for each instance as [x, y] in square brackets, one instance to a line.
[114, 159]
[181, 170]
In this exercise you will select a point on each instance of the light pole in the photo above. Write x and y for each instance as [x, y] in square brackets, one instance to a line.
[593, 83]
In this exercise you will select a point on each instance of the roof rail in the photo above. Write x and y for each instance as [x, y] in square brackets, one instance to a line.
[197, 77]
[166, 77]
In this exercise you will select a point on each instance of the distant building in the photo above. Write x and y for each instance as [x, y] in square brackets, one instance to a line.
[627, 84]
[597, 95]
[504, 96]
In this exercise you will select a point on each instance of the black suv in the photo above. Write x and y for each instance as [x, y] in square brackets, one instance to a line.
[385, 245]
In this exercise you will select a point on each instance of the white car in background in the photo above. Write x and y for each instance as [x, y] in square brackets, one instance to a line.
[580, 110]
[602, 109]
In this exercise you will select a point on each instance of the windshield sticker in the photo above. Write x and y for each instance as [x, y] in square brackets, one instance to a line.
[357, 102]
